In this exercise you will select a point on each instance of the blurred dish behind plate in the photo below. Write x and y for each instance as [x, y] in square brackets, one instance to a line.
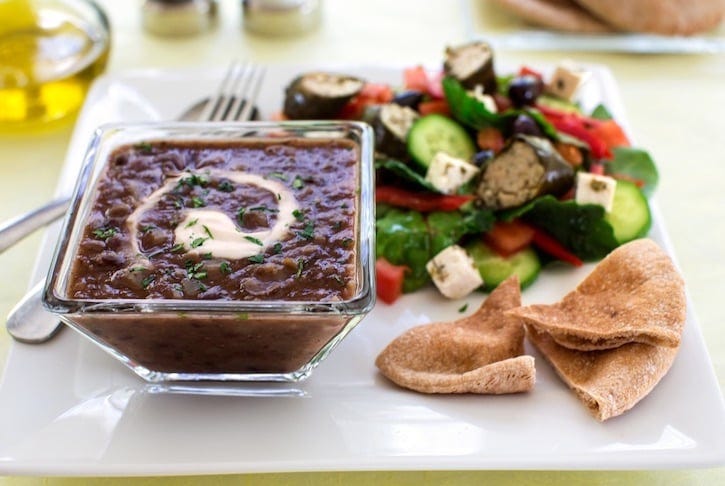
[486, 20]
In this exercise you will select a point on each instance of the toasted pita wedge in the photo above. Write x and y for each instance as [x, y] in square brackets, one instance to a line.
[634, 295]
[480, 353]
[608, 382]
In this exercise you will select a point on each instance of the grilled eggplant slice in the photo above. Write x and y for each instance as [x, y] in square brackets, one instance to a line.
[319, 95]
[528, 167]
[391, 126]
[472, 64]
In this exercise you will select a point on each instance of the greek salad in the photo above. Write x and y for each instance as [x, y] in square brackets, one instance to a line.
[481, 175]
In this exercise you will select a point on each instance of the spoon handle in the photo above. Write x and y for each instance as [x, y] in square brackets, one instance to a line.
[29, 322]
[18, 228]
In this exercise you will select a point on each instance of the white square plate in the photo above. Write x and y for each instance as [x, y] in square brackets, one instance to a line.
[70, 409]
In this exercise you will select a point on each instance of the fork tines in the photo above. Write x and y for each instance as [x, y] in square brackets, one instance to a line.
[234, 101]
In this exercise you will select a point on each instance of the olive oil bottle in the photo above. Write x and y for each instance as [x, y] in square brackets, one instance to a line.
[50, 51]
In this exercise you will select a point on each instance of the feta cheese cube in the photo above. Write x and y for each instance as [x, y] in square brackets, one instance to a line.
[566, 80]
[448, 173]
[454, 272]
[595, 189]
[487, 100]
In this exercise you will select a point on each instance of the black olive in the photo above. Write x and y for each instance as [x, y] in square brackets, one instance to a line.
[410, 98]
[523, 90]
[525, 125]
[482, 157]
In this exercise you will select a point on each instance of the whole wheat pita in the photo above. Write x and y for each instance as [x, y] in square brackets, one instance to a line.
[480, 353]
[608, 382]
[634, 295]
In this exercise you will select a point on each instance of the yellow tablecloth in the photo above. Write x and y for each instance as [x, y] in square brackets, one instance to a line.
[674, 105]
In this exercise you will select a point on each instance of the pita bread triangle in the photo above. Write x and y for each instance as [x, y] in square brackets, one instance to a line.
[480, 353]
[634, 295]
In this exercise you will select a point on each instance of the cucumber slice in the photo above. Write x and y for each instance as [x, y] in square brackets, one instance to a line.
[558, 104]
[494, 268]
[435, 133]
[630, 216]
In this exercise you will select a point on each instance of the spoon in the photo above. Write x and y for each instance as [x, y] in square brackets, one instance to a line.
[29, 322]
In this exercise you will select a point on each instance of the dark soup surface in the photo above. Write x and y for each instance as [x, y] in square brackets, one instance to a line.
[242, 220]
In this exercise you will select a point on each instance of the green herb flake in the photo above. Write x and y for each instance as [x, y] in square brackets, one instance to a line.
[138, 269]
[197, 202]
[104, 233]
[193, 180]
[240, 215]
[256, 258]
[277, 175]
[225, 186]
[197, 242]
[347, 243]
[298, 183]
[144, 147]
[208, 232]
[225, 268]
[178, 248]
[146, 228]
[277, 248]
[299, 215]
[191, 223]
[339, 280]
[206, 256]
[300, 267]
[147, 281]
[264, 208]
[254, 240]
[463, 308]
[309, 230]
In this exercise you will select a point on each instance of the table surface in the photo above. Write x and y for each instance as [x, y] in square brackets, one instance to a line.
[674, 106]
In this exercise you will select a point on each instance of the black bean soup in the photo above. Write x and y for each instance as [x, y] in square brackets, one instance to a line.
[242, 220]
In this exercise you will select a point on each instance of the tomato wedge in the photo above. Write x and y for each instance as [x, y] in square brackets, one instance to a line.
[434, 106]
[389, 280]
[420, 201]
[508, 237]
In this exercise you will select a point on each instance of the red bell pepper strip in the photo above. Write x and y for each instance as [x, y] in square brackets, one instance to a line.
[434, 106]
[549, 245]
[389, 280]
[420, 201]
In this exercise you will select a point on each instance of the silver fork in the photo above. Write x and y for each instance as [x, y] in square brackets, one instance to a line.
[234, 100]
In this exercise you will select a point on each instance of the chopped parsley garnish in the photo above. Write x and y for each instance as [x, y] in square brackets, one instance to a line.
[256, 258]
[195, 270]
[298, 183]
[191, 223]
[206, 256]
[143, 147]
[197, 202]
[309, 230]
[104, 233]
[344, 206]
[338, 279]
[240, 215]
[277, 248]
[463, 308]
[193, 180]
[208, 232]
[146, 228]
[299, 215]
[347, 243]
[138, 269]
[197, 242]
[178, 248]
[277, 175]
[264, 208]
[225, 268]
[225, 186]
[254, 240]
[147, 281]
[300, 267]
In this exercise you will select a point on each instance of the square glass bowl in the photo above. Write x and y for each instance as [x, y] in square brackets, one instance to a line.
[170, 321]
